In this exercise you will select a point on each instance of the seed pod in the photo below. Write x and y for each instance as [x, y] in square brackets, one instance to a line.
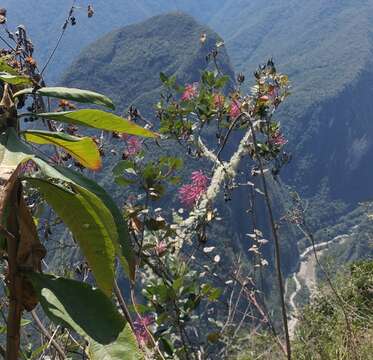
[240, 78]
[90, 11]
[2, 15]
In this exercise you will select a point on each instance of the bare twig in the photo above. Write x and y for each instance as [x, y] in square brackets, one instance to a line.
[59, 38]
[277, 241]
[46, 333]
[123, 305]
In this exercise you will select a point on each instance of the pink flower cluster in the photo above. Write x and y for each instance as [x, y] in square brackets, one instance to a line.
[235, 110]
[189, 194]
[190, 92]
[134, 146]
[140, 326]
[278, 139]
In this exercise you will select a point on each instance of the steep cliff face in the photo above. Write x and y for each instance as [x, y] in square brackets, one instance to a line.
[326, 48]
[336, 143]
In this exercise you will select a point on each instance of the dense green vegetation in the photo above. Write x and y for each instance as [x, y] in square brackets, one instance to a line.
[322, 332]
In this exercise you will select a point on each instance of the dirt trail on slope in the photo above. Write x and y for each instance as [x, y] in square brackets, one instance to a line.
[307, 275]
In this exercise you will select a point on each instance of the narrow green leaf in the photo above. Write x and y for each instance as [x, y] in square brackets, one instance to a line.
[82, 149]
[14, 79]
[99, 120]
[91, 223]
[78, 95]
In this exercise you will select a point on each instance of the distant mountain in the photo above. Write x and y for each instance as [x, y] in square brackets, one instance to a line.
[44, 20]
[125, 64]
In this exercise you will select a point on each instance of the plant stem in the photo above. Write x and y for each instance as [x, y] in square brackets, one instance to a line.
[123, 305]
[45, 332]
[14, 281]
[277, 243]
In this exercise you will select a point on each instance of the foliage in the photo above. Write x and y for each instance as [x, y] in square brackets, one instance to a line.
[322, 333]
[189, 299]
[82, 205]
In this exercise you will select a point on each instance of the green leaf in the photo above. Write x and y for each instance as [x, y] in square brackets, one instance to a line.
[123, 166]
[91, 223]
[5, 67]
[88, 312]
[82, 149]
[221, 81]
[163, 77]
[78, 95]
[80, 307]
[125, 347]
[14, 79]
[99, 120]
[13, 151]
[123, 243]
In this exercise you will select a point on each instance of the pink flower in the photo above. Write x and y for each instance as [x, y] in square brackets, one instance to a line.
[134, 146]
[189, 194]
[199, 179]
[124, 136]
[141, 328]
[190, 92]
[278, 139]
[28, 167]
[160, 248]
[235, 110]
[264, 98]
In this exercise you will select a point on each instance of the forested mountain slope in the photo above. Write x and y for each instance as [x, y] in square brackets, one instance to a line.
[326, 48]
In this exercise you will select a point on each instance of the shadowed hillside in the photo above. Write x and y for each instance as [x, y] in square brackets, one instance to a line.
[326, 49]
